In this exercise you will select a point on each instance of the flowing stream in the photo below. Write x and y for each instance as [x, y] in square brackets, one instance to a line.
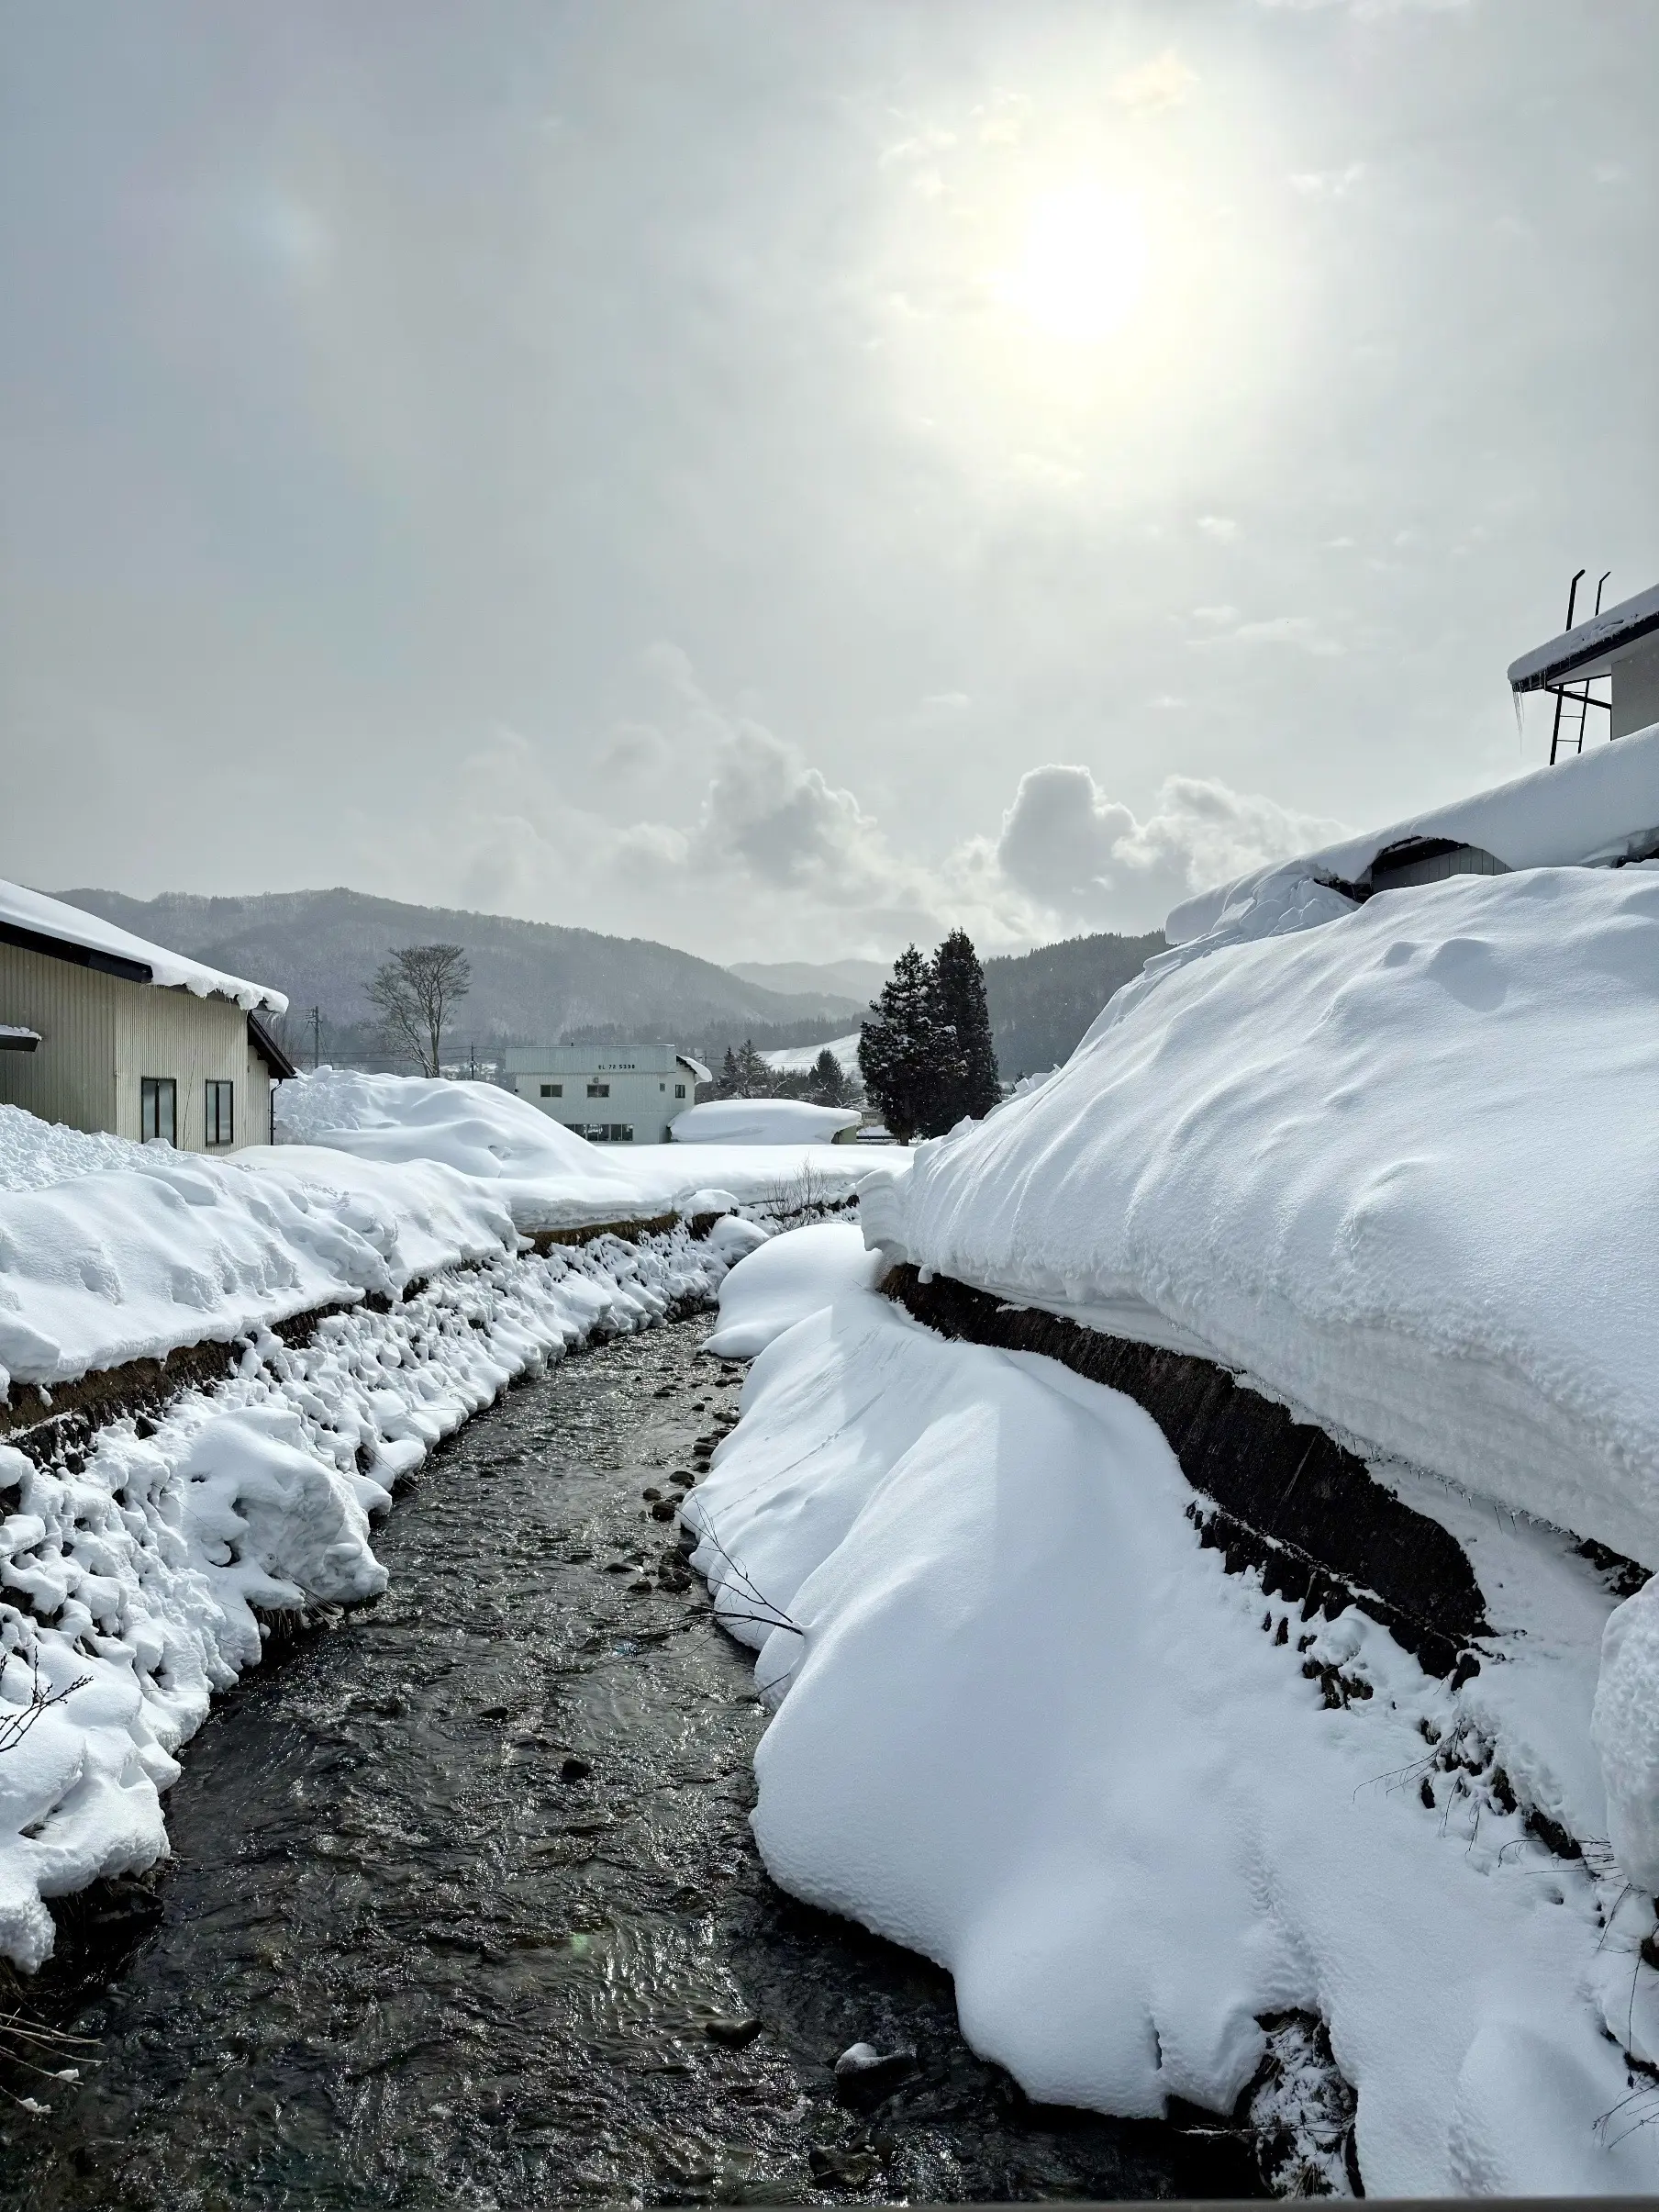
[464, 1909]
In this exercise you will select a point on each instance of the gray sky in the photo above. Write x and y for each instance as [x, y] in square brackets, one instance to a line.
[780, 477]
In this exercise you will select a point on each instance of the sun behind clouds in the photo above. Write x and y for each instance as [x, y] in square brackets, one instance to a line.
[1083, 264]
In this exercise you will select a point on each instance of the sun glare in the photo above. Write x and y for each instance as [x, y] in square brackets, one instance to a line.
[1082, 266]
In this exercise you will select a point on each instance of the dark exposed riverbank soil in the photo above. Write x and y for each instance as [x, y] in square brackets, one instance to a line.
[464, 1911]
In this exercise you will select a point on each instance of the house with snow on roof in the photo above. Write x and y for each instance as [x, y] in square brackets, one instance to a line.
[101, 1031]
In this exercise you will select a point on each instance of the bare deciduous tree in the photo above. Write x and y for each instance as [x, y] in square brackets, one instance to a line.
[413, 993]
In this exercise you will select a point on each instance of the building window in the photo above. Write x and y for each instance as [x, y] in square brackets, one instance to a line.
[679, 1090]
[553, 1090]
[606, 1133]
[159, 1108]
[221, 1118]
[599, 1091]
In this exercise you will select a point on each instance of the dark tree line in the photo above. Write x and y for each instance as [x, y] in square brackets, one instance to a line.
[926, 1053]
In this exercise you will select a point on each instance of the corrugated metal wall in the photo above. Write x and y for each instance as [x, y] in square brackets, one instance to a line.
[71, 1076]
[100, 1036]
[173, 1032]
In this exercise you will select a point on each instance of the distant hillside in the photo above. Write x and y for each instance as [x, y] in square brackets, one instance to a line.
[1041, 1002]
[858, 980]
[532, 982]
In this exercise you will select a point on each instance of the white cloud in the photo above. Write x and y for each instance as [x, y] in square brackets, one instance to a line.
[1327, 184]
[1085, 857]
[1369, 8]
[1222, 527]
[1163, 82]
[1298, 630]
[771, 855]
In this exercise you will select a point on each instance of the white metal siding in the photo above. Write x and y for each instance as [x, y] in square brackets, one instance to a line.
[71, 1075]
[173, 1032]
[1636, 689]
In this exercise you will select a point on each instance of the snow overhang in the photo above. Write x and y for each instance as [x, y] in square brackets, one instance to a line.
[35, 923]
[698, 1072]
[1590, 648]
[13, 1038]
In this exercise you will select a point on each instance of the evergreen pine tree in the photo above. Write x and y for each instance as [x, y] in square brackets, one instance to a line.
[966, 1057]
[727, 1087]
[754, 1077]
[828, 1084]
[898, 1050]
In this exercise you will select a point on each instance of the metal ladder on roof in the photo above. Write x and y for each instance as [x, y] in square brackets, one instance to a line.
[1566, 735]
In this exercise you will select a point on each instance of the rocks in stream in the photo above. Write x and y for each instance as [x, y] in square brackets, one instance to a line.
[736, 2033]
[865, 2076]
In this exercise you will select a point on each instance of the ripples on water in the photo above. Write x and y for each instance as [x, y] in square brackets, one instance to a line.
[403, 1962]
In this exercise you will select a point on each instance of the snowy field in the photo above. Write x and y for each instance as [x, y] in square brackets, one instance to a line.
[801, 1059]
[549, 1178]
[1026, 1727]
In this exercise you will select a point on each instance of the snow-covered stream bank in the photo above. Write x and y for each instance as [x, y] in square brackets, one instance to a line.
[1030, 1727]
[136, 1569]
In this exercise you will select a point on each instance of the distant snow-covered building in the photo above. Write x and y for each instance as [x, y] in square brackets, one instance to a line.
[625, 1094]
[100, 1030]
[1621, 644]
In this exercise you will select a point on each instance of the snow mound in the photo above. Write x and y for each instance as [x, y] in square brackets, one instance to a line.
[34, 1153]
[1028, 1726]
[475, 1128]
[548, 1177]
[1400, 1170]
[784, 1280]
[47, 917]
[760, 1122]
[134, 1262]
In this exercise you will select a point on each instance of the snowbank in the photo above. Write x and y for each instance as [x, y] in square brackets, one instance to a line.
[1026, 1727]
[760, 1122]
[792, 1276]
[544, 1175]
[135, 1261]
[1400, 1170]
[47, 917]
[146, 1555]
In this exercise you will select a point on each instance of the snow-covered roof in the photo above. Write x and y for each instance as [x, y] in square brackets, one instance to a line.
[53, 927]
[1595, 809]
[1589, 648]
[699, 1073]
[14, 1037]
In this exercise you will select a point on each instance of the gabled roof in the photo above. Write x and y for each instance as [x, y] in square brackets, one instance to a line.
[1589, 648]
[269, 1050]
[38, 924]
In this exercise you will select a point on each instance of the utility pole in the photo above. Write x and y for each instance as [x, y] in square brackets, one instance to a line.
[316, 1038]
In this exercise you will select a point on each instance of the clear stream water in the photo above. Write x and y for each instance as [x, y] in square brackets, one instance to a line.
[461, 1881]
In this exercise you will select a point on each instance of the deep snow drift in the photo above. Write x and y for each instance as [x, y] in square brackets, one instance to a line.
[1399, 1169]
[549, 1179]
[1028, 1726]
[158, 1249]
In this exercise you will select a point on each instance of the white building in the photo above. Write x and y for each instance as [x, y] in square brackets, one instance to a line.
[626, 1094]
